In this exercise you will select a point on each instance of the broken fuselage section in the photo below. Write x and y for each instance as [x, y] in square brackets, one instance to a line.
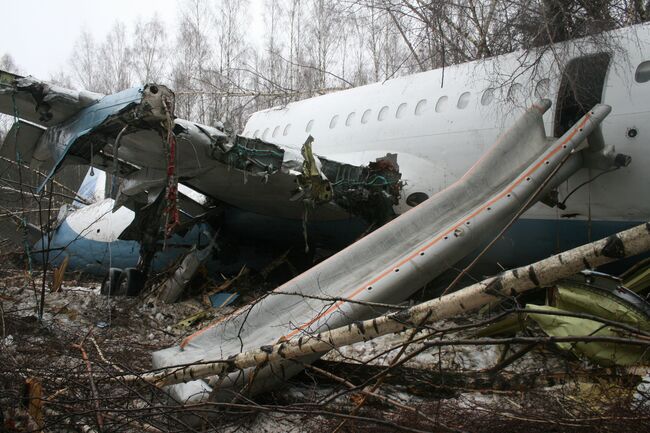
[135, 136]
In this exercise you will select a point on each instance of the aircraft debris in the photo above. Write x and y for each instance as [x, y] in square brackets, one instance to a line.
[602, 297]
[135, 136]
[415, 248]
[637, 278]
[172, 288]
[118, 133]
[512, 282]
[193, 319]
[368, 191]
[208, 296]
[223, 299]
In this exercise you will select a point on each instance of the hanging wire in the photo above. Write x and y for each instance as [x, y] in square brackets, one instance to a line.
[588, 181]
[172, 215]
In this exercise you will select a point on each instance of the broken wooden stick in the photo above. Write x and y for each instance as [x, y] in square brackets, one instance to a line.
[510, 283]
[93, 387]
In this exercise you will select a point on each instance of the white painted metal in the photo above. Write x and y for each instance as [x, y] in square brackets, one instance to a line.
[391, 263]
[453, 114]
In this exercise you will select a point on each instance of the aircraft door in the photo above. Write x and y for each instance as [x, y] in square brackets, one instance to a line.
[581, 88]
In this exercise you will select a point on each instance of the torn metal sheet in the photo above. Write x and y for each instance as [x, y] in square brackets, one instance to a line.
[40, 102]
[172, 288]
[599, 352]
[142, 108]
[602, 297]
[590, 293]
[369, 191]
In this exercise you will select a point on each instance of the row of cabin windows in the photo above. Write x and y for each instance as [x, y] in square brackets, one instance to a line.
[516, 92]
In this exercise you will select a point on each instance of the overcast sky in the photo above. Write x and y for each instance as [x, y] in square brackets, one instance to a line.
[40, 34]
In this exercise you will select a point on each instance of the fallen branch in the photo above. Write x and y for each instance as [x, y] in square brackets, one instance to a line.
[368, 393]
[84, 355]
[510, 283]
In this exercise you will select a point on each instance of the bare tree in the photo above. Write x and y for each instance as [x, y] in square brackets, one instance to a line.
[115, 60]
[193, 56]
[85, 61]
[150, 50]
[314, 46]
[8, 64]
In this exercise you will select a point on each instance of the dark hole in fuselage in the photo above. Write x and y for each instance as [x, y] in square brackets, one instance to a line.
[582, 86]
[416, 198]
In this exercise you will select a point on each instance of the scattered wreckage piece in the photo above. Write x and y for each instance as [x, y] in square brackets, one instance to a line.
[386, 266]
[510, 283]
[88, 237]
[172, 288]
[637, 278]
[602, 297]
[588, 304]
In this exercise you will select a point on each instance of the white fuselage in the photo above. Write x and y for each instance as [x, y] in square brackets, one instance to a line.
[440, 122]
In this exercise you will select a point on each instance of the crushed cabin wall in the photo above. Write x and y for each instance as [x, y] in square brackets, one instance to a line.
[77, 123]
[366, 191]
[81, 127]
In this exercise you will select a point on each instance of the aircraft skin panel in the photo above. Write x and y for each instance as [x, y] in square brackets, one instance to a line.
[458, 134]
[437, 122]
[41, 103]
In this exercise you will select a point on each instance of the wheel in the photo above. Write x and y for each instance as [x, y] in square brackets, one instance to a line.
[112, 283]
[133, 281]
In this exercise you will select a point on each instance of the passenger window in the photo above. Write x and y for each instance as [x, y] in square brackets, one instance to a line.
[265, 134]
[542, 88]
[334, 120]
[310, 125]
[488, 97]
[441, 104]
[421, 105]
[350, 118]
[642, 74]
[400, 110]
[276, 131]
[286, 129]
[366, 116]
[382, 113]
[463, 100]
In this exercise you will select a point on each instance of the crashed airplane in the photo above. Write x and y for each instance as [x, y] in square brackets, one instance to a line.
[455, 154]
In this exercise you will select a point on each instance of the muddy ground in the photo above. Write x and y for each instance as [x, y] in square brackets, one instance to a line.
[61, 373]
